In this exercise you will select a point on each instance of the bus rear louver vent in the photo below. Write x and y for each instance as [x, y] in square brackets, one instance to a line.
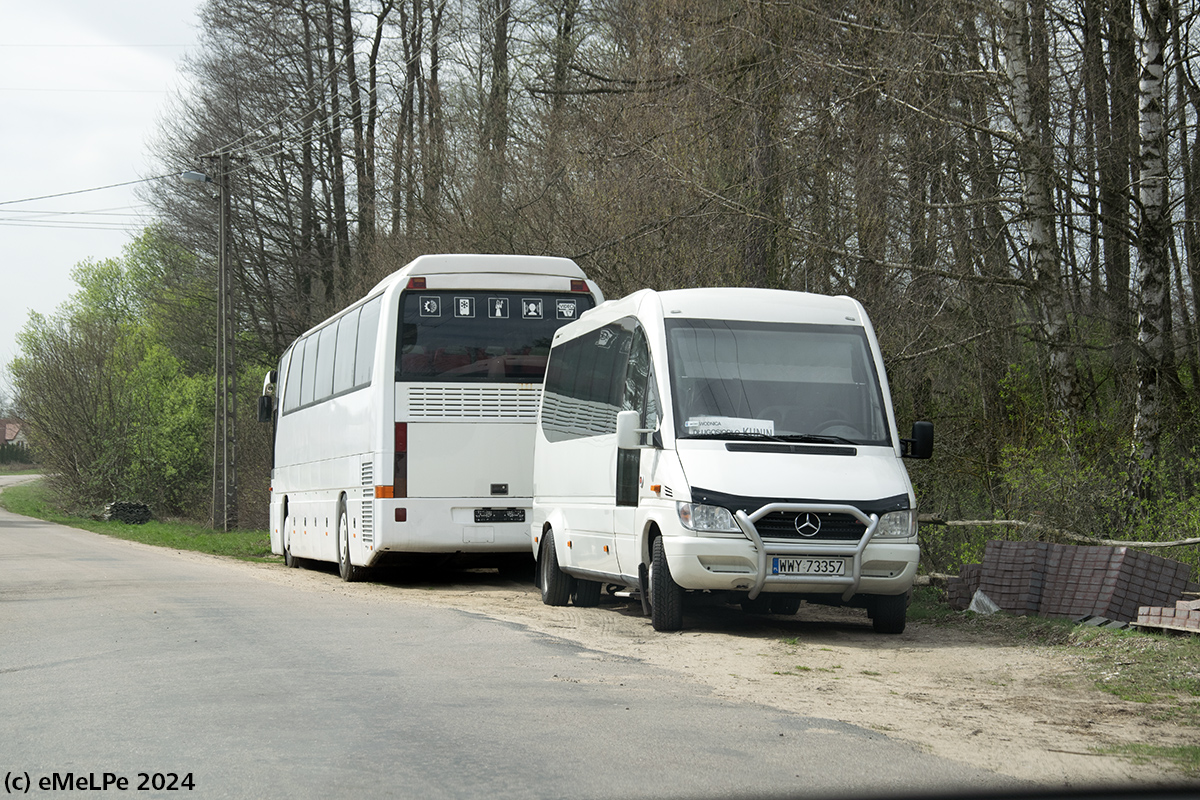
[470, 403]
[367, 526]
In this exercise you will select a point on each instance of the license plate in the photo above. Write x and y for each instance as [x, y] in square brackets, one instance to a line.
[499, 515]
[808, 566]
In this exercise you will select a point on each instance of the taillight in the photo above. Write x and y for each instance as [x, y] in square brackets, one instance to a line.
[579, 286]
[400, 479]
[416, 283]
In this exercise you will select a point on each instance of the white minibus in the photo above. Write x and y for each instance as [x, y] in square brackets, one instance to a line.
[724, 440]
[404, 423]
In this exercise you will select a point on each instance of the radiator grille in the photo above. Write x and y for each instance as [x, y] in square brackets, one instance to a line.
[782, 525]
[516, 402]
[367, 525]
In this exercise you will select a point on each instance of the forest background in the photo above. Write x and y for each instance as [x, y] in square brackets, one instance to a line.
[1011, 188]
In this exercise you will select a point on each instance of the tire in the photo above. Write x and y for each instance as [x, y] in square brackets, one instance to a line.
[517, 567]
[348, 571]
[587, 593]
[889, 613]
[759, 605]
[787, 605]
[557, 586]
[290, 560]
[666, 596]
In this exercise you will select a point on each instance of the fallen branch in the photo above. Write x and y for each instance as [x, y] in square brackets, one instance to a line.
[933, 519]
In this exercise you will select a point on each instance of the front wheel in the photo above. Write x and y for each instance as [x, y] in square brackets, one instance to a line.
[349, 572]
[557, 586]
[889, 613]
[666, 596]
[290, 560]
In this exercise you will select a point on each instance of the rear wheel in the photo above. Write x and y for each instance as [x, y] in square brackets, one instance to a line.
[557, 586]
[666, 596]
[349, 572]
[889, 613]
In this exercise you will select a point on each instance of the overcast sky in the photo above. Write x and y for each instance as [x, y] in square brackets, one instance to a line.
[82, 85]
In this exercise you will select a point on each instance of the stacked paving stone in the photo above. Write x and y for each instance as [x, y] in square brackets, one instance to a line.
[129, 513]
[1185, 616]
[1056, 580]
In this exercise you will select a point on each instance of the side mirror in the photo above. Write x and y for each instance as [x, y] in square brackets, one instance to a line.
[266, 407]
[266, 404]
[627, 431]
[921, 443]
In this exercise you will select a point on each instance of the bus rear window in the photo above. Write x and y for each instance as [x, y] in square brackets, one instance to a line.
[480, 336]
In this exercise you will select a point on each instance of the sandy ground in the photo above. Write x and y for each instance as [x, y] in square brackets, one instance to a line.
[1022, 711]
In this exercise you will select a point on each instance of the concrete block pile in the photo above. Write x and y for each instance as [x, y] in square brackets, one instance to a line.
[1183, 616]
[1056, 580]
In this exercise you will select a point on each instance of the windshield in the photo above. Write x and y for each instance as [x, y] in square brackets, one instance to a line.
[733, 379]
[480, 336]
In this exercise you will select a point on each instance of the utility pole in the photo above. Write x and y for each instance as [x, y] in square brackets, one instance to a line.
[224, 502]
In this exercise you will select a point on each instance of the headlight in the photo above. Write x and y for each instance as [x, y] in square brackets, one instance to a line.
[897, 525]
[696, 517]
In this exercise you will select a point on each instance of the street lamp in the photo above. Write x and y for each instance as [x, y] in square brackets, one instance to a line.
[225, 410]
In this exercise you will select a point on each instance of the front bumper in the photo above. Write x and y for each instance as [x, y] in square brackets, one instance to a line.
[885, 567]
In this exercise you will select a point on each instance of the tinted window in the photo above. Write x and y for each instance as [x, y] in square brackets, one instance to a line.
[368, 326]
[585, 384]
[309, 378]
[347, 339]
[480, 336]
[326, 350]
[289, 372]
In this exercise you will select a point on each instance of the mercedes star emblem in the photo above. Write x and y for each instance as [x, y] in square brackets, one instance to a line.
[808, 524]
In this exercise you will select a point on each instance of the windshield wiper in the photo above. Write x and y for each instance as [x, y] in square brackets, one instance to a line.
[740, 435]
[814, 438]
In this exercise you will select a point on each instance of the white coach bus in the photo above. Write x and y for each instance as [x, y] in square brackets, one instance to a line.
[404, 424]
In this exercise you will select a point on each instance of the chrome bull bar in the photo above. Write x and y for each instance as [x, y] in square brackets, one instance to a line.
[852, 551]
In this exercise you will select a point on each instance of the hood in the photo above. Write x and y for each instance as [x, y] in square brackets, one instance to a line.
[810, 473]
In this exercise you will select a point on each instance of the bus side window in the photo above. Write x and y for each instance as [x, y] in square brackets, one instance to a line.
[347, 340]
[308, 380]
[291, 389]
[368, 329]
[326, 349]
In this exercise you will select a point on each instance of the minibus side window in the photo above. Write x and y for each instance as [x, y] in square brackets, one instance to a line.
[585, 384]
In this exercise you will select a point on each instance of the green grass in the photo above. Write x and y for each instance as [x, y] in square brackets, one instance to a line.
[35, 500]
[1186, 758]
[930, 607]
[1156, 669]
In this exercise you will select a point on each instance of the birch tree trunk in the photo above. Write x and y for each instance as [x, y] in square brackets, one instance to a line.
[1031, 113]
[1154, 230]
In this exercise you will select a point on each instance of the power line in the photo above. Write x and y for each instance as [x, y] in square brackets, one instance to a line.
[85, 191]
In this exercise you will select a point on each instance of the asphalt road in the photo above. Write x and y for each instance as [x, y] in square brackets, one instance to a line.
[126, 660]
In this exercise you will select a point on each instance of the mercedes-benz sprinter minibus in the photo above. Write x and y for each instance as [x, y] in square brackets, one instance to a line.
[724, 440]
